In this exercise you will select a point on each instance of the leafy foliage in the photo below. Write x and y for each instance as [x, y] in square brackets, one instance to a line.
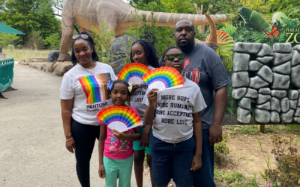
[35, 39]
[289, 23]
[289, 7]
[253, 19]
[103, 40]
[53, 41]
[221, 150]
[6, 39]
[230, 29]
[287, 161]
[179, 6]
[25, 15]
[163, 35]
[243, 34]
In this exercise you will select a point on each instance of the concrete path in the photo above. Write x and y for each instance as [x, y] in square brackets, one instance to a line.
[32, 143]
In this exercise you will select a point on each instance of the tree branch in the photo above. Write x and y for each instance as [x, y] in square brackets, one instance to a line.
[58, 8]
[56, 14]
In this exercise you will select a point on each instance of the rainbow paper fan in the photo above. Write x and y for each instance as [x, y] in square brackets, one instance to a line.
[163, 78]
[120, 118]
[133, 73]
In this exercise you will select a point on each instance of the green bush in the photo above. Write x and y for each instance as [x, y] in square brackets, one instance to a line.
[103, 40]
[35, 39]
[287, 161]
[53, 41]
[221, 150]
[7, 39]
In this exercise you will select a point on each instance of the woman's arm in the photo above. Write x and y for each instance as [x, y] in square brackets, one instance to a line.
[66, 114]
[197, 125]
[129, 137]
[103, 129]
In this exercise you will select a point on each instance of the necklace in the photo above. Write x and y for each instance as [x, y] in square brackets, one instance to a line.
[86, 69]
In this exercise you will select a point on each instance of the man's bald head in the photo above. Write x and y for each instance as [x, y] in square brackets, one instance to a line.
[184, 20]
[184, 35]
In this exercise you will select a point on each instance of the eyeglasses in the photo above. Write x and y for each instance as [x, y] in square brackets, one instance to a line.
[84, 36]
[172, 57]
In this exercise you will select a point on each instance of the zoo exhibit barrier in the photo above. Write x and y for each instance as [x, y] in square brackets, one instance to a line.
[266, 83]
[6, 75]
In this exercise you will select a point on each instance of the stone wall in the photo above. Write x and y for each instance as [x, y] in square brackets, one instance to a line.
[266, 81]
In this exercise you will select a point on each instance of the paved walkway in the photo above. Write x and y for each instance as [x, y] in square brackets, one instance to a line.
[31, 137]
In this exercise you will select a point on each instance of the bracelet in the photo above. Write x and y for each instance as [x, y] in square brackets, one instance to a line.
[69, 139]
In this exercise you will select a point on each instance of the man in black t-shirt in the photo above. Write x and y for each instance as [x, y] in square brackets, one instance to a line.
[204, 67]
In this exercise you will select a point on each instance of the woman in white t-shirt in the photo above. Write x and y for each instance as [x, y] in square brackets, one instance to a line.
[83, 95]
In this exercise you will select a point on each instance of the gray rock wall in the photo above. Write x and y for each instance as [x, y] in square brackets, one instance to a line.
[260, 80]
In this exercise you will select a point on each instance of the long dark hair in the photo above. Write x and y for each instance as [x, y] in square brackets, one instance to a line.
[92, 45]
[168, 49]
[149, 51]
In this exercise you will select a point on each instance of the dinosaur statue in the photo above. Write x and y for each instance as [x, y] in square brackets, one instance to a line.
[118, 16]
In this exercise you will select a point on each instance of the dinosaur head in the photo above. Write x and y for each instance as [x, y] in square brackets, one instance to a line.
[212, 40]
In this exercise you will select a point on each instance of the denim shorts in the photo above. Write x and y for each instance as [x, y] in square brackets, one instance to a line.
[172, 161]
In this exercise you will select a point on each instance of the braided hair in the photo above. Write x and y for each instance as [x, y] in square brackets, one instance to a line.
[149, 51]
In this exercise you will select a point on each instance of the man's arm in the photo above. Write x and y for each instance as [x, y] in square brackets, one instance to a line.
[215, 131]
[197, 126]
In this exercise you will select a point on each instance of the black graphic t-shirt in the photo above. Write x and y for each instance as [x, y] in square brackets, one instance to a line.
[204, 67]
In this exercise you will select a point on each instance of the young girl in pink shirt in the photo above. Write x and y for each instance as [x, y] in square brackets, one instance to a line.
[116, 148]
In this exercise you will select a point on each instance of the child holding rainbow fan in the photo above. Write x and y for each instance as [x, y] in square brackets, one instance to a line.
[116, 148]
[142, 52]
[177, 132]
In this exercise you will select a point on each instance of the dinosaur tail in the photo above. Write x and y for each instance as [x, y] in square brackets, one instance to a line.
[212, 40]
[170, 19]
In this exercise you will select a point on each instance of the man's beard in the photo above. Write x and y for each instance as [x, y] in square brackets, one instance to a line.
[184, 47]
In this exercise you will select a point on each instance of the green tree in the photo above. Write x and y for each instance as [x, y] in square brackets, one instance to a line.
[53, 41]
[163, 35]
[6, 39]
[179, 6]
[25, 15]
[35, 39]
[290, 7]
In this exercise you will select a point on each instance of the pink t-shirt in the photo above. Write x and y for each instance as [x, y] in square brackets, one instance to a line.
[115, 148]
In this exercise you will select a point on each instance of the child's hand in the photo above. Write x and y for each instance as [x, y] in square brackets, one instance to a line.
[101, 172]
[135, 87]
[119, 135]
[145, 140]
[196, 163]
[152, 97]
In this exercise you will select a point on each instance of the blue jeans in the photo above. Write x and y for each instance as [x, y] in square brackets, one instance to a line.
[204, 177]
[172, 160]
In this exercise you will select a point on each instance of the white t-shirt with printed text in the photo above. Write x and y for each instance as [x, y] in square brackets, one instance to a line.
[137, 98]
[88, 90]
[173, 122]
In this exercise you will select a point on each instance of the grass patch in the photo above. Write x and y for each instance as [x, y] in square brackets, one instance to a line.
[234, 178]
[24, 54]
